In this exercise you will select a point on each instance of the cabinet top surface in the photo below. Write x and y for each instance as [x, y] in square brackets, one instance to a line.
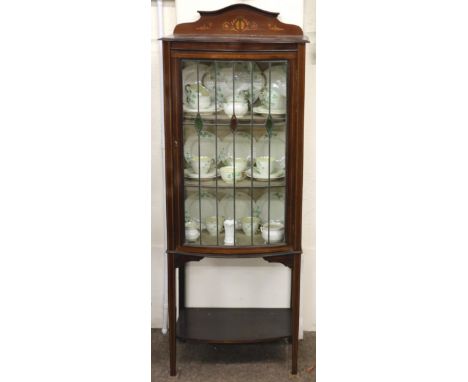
[238, 23]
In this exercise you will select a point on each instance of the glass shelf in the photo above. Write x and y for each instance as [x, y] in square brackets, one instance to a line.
[222, 119]
[241, 239]
[246, 183]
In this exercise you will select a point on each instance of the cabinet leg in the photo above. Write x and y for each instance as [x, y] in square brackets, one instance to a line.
[295, 299]
[171, 269]
[181, 287]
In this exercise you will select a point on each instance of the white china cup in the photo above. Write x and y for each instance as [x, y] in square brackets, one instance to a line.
[197, 96]
[191, 231]
[277, 102]
[239, 108]
[212, 222]
[261, 164]
[228, 174]
[202, 163]
[241, 163]
[250, 224]
[276, 231]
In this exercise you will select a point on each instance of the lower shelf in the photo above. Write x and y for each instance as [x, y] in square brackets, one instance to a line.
[234, 325]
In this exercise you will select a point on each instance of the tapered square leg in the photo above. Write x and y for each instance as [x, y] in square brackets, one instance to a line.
[181, 285]
[171, 269]
[295, 299]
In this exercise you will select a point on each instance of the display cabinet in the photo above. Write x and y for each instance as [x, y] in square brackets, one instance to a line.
[234, 96]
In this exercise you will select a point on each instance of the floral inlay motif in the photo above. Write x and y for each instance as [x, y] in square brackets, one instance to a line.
[274, 27]
[204, 27]
[240, 24]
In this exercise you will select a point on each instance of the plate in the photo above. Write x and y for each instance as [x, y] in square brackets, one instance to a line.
[243, 146]
[243, 204]
[207, 145]
[193, 175]
[192, 206]
[277, 149]
[189, 72]
[273, 176]
[276, 206]
[242, 81]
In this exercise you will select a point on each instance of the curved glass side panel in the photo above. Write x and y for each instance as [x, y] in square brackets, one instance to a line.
[234, 128]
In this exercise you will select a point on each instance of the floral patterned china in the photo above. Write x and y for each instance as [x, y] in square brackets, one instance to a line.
[243, 204]
[242, 81]
[276, 206]
[189, 72]
[207, 146]
[229, 175]
[243, 147]
[279, 174]
[201, 164]
[192, 206]
[276, 148]
[265, 111]
[190, 174]
[197, 96]
[278, 78]
[272, 232]
[272, 100]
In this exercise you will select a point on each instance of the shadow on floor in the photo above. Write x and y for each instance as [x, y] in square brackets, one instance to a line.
[269, 362]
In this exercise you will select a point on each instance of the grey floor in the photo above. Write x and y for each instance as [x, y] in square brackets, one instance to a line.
[269, 362]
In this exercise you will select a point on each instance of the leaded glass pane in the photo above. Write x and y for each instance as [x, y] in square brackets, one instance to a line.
[234, 127]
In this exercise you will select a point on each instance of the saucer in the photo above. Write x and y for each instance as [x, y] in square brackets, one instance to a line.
[264, 110]
[256, 175]
[210, 109]
[193, 175]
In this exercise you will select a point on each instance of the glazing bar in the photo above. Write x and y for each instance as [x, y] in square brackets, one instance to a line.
[251, 154]
[234, 146]
[199, 154]
[216, 148]
[286, 127]
[269, 148]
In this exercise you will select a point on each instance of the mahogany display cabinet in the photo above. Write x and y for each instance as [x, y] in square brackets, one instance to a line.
[234, 105]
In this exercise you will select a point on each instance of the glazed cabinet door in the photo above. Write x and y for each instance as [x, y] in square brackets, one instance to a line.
[233, 121]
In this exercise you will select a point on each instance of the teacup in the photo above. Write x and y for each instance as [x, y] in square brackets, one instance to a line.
[276, 102]
[201, 164]
[197, 96]
[239, 108]
[265, 165]
[278, 78]
[228, 174]
[191, 231]
[250, 224]
[276, 231]
[241, 163]
[212, 222]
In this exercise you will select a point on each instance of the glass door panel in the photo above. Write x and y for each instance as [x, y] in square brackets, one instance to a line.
[234, 128]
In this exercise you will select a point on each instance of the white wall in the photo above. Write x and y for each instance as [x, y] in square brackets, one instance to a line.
[249, 282]
[291, 12]
[157, 193]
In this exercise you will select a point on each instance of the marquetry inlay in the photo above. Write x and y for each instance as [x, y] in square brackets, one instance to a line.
[240, 24]
[204, 27]
[274, 27]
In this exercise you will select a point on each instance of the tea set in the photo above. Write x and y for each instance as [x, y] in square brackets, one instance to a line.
[204, 168]
[264, 215]
[234, 88]
[272, 232]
